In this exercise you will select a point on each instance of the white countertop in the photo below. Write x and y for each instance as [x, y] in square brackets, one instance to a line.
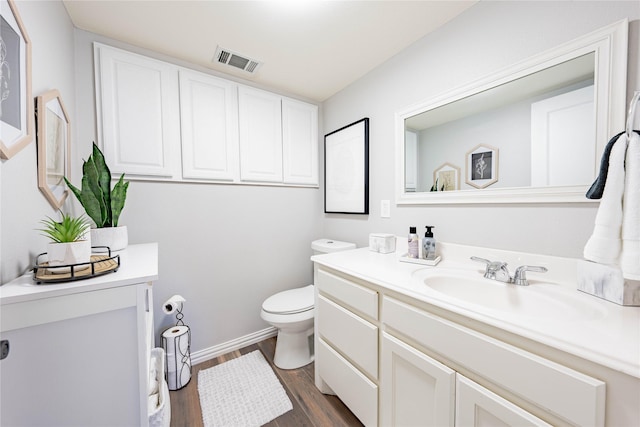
[607, 334]
[138, 264]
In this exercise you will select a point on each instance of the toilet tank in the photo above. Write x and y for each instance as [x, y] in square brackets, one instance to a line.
[325, 246]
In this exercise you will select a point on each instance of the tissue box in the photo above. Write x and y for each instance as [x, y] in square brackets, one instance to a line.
[606, 282]
[383, 243]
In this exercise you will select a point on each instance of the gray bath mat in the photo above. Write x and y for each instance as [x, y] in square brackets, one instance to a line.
[241, 392]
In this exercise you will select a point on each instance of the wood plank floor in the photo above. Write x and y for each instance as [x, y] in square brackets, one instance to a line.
[310, 407]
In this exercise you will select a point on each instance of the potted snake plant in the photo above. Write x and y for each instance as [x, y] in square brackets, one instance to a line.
[70, 243]
[102, 203]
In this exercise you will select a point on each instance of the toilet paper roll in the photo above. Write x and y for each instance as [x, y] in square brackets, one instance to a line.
[172, 304]
[177, 342]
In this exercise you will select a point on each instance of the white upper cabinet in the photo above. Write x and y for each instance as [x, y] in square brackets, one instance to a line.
[299, 142]
[209, 117]
[138, 113]
[260, 135]
[160, 121]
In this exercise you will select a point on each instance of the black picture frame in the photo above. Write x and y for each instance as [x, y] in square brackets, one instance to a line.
[346, 169]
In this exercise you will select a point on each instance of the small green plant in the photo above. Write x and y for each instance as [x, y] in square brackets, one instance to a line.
[102, 204]
[68, 230]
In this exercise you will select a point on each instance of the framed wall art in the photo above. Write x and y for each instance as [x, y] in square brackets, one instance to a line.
[346, 169]
[54, 146]
[16, 103]
[482, 166]
[446, 178]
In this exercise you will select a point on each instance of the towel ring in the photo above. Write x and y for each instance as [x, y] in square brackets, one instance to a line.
[632, 112]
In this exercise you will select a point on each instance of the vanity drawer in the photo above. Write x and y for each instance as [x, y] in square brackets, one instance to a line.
[354, 389]
[569, 394]
[356, 338]
[357, 297]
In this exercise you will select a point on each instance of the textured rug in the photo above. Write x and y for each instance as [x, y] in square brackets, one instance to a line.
[242, 392]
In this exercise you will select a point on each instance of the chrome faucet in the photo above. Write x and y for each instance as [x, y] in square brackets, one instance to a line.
[497, 270]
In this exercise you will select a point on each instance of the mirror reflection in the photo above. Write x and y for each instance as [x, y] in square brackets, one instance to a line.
[518, 134]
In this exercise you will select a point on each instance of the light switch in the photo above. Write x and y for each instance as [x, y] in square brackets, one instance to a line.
[385, 209]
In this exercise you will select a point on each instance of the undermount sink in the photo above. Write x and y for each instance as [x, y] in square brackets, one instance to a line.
[540, 300]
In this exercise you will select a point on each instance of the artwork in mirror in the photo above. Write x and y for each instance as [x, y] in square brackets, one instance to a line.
[54, 134]
[559, 105]
[446, 178]
[16, 103]
[482, 166]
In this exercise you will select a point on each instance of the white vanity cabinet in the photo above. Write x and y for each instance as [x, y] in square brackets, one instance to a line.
[434, 368]
[346, 344]
[79, 351]
[159, 121]
[138, 113]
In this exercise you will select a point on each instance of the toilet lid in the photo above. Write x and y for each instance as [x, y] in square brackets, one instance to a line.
[290, 302]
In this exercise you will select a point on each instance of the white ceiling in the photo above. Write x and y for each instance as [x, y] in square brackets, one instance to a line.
[311, 49]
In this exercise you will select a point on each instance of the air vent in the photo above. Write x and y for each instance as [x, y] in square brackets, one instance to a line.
[233, 59]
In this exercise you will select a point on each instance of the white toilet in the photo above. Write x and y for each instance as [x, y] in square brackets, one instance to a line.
[292, 313]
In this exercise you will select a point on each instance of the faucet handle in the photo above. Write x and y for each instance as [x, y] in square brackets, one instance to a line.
[520, 277]
[486, 261]
[496, 270]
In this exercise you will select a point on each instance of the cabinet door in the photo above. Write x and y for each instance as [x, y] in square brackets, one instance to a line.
[209, 118]
[138, 113]
[260, 135]
[73, 359]
[416, 389]
[300, 142]
[476, 406]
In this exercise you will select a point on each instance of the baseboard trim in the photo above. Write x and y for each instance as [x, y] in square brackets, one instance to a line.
[235, 344]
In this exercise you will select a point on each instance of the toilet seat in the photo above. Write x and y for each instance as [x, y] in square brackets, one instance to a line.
[291, 301]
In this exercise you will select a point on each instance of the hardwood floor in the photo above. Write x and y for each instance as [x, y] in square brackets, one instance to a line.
[310, 407]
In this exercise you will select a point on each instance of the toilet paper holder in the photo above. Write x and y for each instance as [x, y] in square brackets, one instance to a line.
[174, 305]
[176, 342]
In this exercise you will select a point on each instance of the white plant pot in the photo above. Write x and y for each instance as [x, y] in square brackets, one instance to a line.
[68, 254]
[116, 238]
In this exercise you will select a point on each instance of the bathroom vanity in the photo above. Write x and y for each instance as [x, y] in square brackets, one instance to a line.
[79, 351]
[407, 344]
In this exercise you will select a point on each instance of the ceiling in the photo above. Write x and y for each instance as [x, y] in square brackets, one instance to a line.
[309, 49]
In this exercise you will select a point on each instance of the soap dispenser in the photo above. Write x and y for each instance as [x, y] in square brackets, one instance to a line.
[429, 244]
[413, 243]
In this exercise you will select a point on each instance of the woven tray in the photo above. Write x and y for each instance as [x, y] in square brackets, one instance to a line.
[99, 265]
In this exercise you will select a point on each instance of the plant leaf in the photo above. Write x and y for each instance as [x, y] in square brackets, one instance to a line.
[104, 180]
[118, 197]
[93, 186]
[91, 204]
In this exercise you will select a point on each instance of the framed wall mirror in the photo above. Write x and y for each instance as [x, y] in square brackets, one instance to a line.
[548, 117]
[53, 139]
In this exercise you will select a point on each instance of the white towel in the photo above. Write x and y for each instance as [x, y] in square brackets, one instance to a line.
[630, 256]
[605, 243]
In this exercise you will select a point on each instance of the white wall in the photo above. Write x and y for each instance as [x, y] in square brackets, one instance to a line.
[225, 248]
[21, 202]
[484, 39]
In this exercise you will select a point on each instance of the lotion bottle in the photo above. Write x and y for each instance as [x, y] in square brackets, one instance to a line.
[429, 244]
[413, 242]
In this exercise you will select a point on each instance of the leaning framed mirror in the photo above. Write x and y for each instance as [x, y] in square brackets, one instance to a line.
[548, 118]
[53, 139]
